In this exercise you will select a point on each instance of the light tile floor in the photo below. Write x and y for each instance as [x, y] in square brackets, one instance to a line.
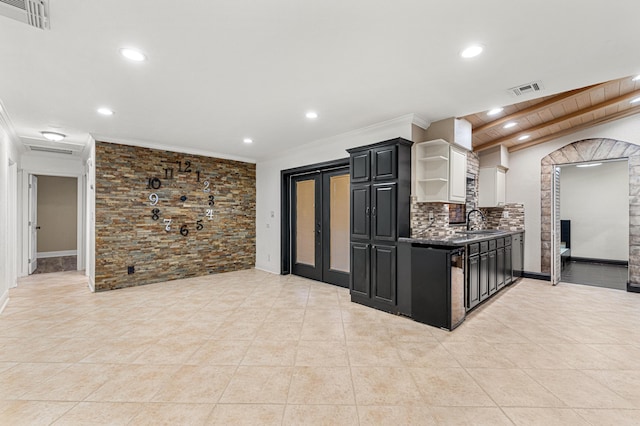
[254, 348]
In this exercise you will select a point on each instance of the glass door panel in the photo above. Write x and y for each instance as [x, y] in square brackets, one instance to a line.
[305, 222]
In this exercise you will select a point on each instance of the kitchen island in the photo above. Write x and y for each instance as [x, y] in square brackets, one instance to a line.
[441, 279]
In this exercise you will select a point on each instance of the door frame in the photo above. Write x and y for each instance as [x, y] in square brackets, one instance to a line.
[80, 221]
[285, 205]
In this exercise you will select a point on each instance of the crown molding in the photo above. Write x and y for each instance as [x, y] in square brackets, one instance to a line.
[420, 122]
[5, 123]
[172, 148]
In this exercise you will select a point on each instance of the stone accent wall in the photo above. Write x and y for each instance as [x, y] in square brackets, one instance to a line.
[593, 150]
[129, 235]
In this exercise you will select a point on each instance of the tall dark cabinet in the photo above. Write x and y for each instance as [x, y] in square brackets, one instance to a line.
[380, 202]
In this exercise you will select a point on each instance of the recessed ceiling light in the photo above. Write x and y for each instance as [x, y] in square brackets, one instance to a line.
[636, 78]
[472, 51]
[524, 137]
[634, 100]
[509, 125]
[495, 111]
[53, 136]
[133, 54]
[247, 140]
[588, 165]
[105, 111]
[311, 114]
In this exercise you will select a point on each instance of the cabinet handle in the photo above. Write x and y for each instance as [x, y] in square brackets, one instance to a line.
[367, 211]
[374, 211]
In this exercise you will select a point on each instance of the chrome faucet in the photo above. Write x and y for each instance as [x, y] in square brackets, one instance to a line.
[484, 219]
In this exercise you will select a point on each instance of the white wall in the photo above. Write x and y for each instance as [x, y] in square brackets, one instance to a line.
[523, 178]
[268, 179]
[596, 201]
[8, 153]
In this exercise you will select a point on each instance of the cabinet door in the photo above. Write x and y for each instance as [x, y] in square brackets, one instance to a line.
[501, 187]
[508, 266]
[484, 276]
[457, 175]
[359, 282]
[383, 212]
[385, 163]
[500, 268]
[492, 273]
[360, 212]
[360, 165]
[383, 268]
[473, 282]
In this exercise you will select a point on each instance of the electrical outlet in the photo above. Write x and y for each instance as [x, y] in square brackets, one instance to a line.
[131, 270]
[505, 214]
[268, 258]
[430, 216]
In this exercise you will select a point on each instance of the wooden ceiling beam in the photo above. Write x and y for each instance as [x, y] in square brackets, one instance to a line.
[536, 108]
[567, 117]
[603, 120]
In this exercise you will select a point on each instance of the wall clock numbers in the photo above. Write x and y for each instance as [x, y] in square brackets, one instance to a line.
[185, 168]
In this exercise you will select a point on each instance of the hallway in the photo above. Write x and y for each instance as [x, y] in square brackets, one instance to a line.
[251, 347]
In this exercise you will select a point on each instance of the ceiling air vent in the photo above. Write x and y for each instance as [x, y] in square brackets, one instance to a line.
[48, 149]
[31, 12]
[525, 89]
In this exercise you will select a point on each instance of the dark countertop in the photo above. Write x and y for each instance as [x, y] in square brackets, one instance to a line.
[459, 239]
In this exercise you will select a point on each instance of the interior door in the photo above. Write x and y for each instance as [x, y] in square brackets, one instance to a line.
[306, 225]
[335, 225]
[320, 222]
[33, 225]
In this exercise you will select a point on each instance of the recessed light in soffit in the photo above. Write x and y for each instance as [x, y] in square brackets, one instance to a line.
[105, 111]
[311, 115]
[495, 111]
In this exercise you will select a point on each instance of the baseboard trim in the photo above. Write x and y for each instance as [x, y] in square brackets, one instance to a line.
[631, 288]
[46, 254]
[604, 261]
[4, 300]
[536, 276]
[260, 268]
[92, 285]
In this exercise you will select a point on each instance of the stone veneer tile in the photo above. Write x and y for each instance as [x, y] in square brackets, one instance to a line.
[594, 149]
[127, 234]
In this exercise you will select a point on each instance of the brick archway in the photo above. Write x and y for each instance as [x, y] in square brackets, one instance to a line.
[593, 150]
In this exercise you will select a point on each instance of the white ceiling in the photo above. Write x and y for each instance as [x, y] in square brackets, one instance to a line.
[220, 71]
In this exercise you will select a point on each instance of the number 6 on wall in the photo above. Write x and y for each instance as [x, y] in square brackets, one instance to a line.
[167, 222]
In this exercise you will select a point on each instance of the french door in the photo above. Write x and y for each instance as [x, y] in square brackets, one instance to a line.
[320, 226]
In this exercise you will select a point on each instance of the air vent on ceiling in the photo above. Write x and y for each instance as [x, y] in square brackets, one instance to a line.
[31, 12]
[525, 89]
[47, 149]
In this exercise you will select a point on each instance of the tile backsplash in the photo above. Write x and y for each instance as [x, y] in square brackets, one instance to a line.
[431, 220]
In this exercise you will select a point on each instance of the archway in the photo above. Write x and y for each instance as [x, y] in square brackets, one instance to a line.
[593, 150]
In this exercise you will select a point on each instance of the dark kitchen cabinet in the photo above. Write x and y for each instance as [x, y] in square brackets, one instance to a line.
[508, 268]
[383, 267]
[484, 276]
[360, 212]
[489, 268]
[360, 269]
[380, 202]
[473, 269]
[383, 212]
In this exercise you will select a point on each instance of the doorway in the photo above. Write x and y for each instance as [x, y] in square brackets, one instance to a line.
[53, 224]
[594, 223]
[316, 222]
